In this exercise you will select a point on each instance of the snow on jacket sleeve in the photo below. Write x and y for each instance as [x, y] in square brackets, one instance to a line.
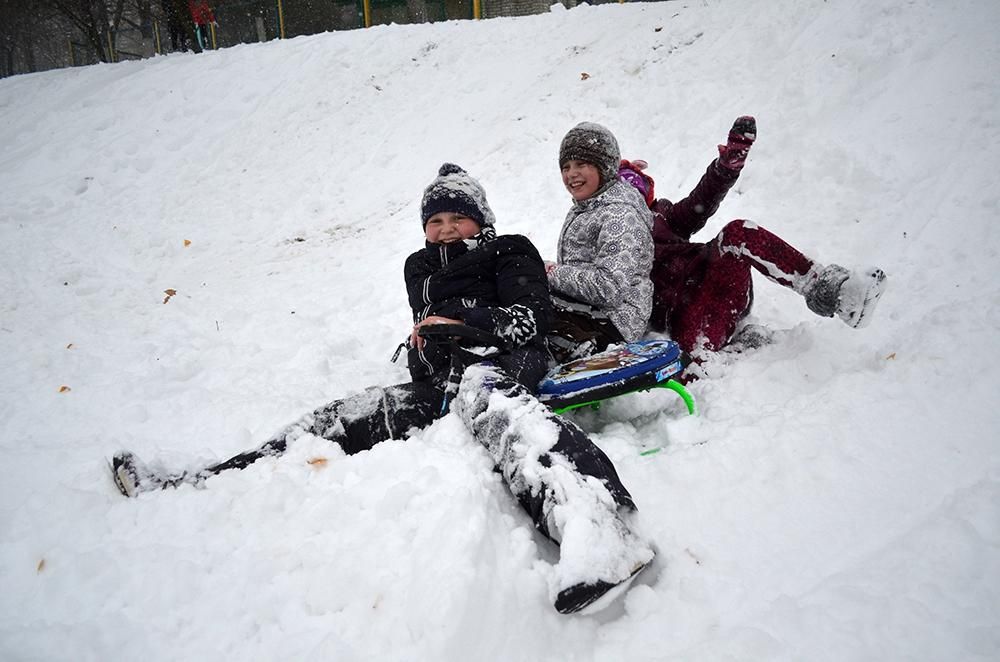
[688, 216]
[525, 309]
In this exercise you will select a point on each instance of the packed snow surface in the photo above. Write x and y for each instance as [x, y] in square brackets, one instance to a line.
[195, 250]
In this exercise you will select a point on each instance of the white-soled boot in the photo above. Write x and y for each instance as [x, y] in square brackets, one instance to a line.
[858, 296]
[600, 552]
[850, 295]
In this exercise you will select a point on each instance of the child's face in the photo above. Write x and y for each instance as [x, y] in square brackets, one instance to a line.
[581, 179]
[446, 227]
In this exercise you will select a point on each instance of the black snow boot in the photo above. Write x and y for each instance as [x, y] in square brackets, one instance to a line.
[132, 476]
[591, 598]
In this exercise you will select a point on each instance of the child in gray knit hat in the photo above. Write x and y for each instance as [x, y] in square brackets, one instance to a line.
[600, 279]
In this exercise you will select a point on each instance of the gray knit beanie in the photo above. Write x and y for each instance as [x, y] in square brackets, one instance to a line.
[456, 191]
[594, 144]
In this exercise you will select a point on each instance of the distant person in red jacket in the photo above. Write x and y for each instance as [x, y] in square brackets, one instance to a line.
[701, 291]
[202, 16]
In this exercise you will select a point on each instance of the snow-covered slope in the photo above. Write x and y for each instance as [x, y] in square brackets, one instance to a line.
[836, 499]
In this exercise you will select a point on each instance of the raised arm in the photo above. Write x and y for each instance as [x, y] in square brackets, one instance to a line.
[686, 217]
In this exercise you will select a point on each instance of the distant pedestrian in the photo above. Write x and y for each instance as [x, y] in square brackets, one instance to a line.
[173, 11]
[203, 17]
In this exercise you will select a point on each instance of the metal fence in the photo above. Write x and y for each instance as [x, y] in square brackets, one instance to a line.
[57, 44]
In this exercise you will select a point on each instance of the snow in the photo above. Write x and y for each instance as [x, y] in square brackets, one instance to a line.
[836, 498]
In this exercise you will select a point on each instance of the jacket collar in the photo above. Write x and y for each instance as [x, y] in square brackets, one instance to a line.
[616, 191]
[446, 253]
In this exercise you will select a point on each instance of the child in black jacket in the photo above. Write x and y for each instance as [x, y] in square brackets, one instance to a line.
[468, 275]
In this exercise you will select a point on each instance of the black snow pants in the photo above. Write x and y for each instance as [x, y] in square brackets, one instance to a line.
[495, 399]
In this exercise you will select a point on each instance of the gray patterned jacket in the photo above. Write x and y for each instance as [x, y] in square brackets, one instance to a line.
[605, 255]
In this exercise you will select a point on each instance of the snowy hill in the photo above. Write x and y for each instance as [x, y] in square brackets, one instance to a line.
[837, 498]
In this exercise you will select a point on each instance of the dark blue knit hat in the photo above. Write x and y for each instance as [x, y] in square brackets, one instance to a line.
[456, 191]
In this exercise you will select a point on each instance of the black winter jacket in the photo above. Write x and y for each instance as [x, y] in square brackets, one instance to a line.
[496, 284]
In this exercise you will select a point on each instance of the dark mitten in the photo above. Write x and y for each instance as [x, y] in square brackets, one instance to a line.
[733, 155]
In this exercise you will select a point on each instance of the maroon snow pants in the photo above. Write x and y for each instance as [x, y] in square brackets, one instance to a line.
[707, 316]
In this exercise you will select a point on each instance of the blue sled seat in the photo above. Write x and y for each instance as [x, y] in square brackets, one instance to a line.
[634, 366]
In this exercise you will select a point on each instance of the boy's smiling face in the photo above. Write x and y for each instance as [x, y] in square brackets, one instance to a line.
[446, 227]
[581, 179]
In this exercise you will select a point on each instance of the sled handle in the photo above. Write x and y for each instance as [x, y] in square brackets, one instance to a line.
[464, 332]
